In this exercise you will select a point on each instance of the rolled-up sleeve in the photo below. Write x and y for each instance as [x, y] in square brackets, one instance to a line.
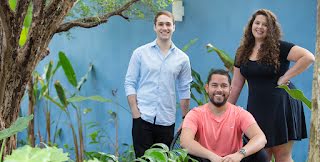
[132, 76]
[184, 81]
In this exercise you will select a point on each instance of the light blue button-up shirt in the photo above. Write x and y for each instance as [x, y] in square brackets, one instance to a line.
[155, 78]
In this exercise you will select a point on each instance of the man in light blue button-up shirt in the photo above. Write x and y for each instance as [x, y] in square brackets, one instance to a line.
[155, 73]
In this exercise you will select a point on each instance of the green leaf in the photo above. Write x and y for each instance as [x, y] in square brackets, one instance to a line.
[48, 71]
[68, 69]
[296, 94]
[26, 25]
[29, 154]
[157, 154]
[84, 78]
[112, 114]
[161, 145]
[94, 135]
[93, 98]
[28, 19]
[61, 93]
[20, 124]
[56, 68]
[196, 77]
[23, 36]
[13, 4]
[225, 58]
[87, 110]
[191, 42]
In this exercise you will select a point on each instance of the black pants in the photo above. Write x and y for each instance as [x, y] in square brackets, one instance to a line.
[145, 134]
[260, 156]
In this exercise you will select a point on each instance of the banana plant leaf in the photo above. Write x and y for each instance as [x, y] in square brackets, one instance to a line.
[225, 58]
[20, 124]
[93, 98]
[68, 69]
[296, 94]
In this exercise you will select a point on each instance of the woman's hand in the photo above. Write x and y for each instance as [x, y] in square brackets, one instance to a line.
[283, 81]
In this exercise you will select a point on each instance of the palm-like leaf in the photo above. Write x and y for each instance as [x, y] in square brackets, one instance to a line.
[20, 124]
[296, 94]
[225, 58]
[68, 69]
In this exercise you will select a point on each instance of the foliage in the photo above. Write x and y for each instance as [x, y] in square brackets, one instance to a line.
[296, 94]
[224, 57]
[20, 124]
[128, 155]
[95, 8]
[101, 157]
[197, 84]
[29, 154]
[160, 153]
[26, 23]
[66, 99]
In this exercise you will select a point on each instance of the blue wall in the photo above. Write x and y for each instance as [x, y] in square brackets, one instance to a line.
[221, 23]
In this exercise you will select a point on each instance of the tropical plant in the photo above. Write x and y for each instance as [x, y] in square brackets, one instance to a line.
[224, 57]
[198, 85]
[296, 94]
[27, 27]
[66, 99]
[160, 152]
[128, 155]
[20, 124]
[35, 154]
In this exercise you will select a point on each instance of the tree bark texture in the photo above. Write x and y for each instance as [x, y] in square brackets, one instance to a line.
[31, 111]
[18, 62]
[314, 145]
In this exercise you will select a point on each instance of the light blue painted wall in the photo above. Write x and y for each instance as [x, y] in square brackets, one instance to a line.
[221, 23]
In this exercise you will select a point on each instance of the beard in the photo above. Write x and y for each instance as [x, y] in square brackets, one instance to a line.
[218, 103]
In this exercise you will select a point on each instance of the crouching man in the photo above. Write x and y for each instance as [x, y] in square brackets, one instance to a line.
[214, 131]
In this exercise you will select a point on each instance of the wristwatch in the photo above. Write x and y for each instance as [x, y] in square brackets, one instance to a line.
[243, 152]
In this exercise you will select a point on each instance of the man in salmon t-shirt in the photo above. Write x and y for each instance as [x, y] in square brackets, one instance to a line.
[213, 132]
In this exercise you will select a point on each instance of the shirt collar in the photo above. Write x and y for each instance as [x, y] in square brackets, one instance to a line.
[154, 44]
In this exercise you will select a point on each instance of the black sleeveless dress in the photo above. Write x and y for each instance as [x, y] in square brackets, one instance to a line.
[280, 117]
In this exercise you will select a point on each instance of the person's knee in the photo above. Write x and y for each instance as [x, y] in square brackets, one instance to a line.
[283, 153]
[261, 156]
[283, 156]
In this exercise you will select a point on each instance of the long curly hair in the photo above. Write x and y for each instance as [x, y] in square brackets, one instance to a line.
[270, 49]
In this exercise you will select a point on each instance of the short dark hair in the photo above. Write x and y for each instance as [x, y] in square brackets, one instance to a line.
[164, 12]
[220, 72]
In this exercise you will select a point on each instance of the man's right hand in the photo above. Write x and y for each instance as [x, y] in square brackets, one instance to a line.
[132, 100]
[215, 158]
[136, 115]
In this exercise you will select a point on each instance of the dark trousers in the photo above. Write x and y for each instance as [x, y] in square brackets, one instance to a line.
[260, 156]
[145, 134]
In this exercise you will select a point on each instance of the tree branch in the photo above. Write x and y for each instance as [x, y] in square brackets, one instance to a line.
[90, 22]
[49, 9]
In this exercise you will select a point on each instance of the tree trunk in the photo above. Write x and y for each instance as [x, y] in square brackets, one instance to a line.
[18, 62]
[314, 145]
[31, 111]
[15, 79]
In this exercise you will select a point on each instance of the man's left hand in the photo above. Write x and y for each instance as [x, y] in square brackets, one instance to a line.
[236, 157]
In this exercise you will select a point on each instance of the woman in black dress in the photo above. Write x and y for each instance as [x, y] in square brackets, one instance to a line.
[263, 60]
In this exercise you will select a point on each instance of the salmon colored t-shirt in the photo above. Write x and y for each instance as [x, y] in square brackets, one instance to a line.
[219, 134]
